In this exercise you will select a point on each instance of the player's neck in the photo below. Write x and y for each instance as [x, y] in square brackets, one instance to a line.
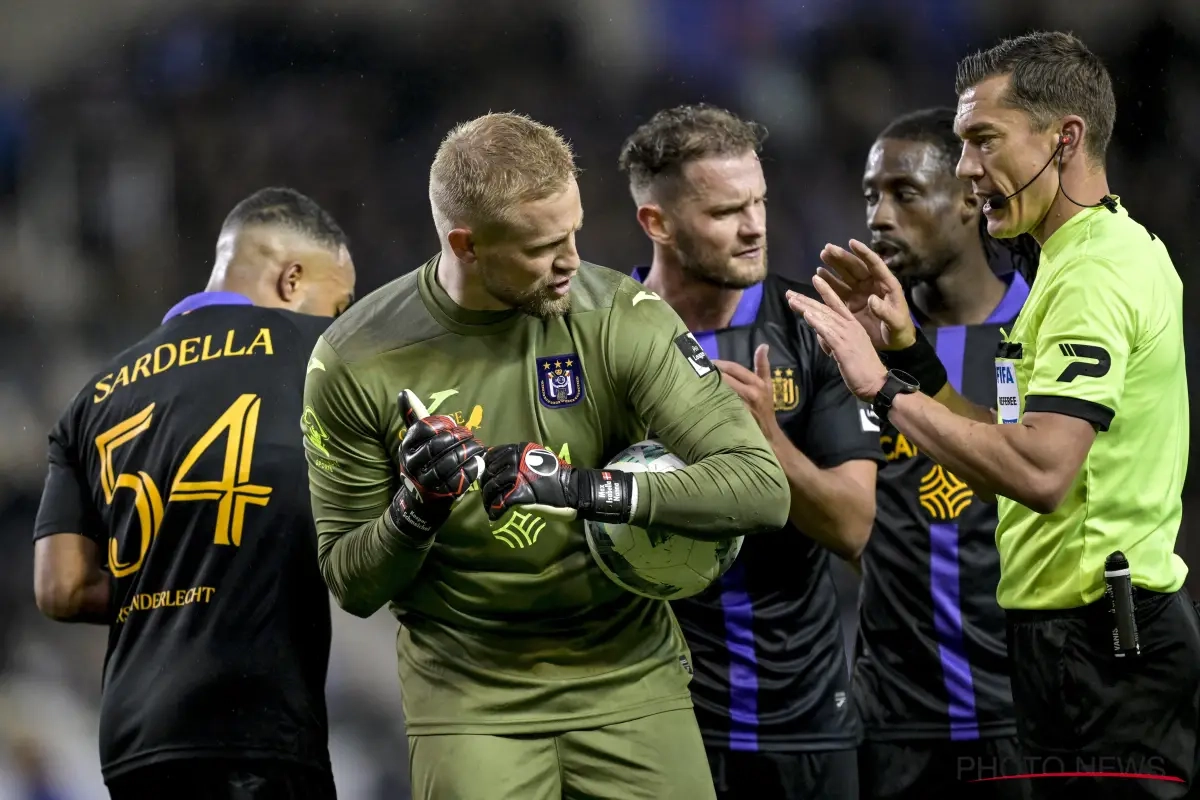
[965, 293]
[464, 289]
[1087, 189]
[232, 278]
[701, 305]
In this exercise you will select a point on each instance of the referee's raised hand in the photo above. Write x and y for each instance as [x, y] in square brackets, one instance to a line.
[870, 291]
[841, 335]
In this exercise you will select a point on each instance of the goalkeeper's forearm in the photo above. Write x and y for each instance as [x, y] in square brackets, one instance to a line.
[731, 492]
[367, 566]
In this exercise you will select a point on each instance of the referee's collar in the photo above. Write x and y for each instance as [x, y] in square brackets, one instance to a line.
[1066, 234]
[202, 299]
[747, 307]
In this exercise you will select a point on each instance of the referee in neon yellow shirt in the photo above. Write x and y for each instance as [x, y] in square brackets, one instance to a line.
[1090, 451]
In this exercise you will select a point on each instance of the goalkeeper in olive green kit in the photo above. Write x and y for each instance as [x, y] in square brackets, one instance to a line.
[525, 672]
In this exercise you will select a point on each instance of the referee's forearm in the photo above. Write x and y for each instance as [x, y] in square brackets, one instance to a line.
[977, 452]
[963, 407]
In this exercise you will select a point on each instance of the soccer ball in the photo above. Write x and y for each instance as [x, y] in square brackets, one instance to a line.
[659, 563]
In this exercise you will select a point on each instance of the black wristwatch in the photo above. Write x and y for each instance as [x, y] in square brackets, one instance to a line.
[897, 383]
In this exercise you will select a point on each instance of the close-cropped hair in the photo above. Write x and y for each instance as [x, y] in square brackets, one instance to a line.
[290, 209]
[487, 165]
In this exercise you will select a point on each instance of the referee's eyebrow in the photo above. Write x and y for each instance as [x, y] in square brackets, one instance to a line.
[976, 128]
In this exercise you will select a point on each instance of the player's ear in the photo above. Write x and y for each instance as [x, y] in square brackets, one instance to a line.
[288, 285]
[462, 244]
[655, 223]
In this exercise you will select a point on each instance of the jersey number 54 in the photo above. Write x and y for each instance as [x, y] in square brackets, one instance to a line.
[232, 491]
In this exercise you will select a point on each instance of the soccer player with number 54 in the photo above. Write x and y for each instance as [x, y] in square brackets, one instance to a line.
[175, 512]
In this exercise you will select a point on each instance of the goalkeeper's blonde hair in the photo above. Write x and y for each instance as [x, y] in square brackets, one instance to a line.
[486, 166]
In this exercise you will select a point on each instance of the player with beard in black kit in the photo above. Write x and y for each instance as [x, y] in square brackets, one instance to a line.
[176, 512]
[771, 689]
[931, 675]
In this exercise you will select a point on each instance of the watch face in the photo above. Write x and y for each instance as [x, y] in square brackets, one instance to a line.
[908, 380]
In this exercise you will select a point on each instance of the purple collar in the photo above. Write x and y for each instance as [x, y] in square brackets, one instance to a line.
[1010, 304]
[747, 307]
[202, 299]
[1006, 310]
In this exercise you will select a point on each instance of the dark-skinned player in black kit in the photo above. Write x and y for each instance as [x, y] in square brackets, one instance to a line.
[931, 675]
[176, 512]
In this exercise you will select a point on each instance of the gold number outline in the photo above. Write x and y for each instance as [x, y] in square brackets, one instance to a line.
[232, 492]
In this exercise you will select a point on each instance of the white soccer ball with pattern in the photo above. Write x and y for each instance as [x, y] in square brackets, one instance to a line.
[659, 564]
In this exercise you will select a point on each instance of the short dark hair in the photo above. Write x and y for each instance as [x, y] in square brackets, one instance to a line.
[1052, 74]
[933, 126]
[277, 205]
[670, 139]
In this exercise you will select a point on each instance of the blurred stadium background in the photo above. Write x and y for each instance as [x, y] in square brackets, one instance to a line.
[128, 128]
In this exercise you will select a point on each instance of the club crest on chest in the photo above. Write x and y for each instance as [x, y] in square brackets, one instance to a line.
[783, 387]
[559, 380]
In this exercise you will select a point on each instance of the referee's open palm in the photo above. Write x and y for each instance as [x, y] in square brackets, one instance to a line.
[871, 293]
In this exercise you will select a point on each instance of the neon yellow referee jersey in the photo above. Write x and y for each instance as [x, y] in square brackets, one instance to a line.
[1100, 338]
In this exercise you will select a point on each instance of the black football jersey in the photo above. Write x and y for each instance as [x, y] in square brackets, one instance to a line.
[183, 461]
[766, 639]
[931, 656]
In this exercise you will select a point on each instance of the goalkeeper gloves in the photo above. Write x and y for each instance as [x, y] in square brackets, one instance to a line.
[530, 476]
[439, 460]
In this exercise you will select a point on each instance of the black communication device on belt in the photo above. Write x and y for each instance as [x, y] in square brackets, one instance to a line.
[1118, 586]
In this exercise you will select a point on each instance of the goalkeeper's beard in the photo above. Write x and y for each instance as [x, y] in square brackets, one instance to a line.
[540, 300]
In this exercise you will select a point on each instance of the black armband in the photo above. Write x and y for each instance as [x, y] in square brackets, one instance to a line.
[920, 361]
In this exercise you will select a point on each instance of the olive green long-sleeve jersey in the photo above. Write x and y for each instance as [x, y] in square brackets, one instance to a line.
[509, 627]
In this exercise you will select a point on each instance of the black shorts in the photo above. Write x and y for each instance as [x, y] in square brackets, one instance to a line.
[224, 779]
[1080, 709]
[917, 770]
[825, 775]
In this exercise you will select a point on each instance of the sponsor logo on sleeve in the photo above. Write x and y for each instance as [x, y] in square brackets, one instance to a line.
[694, 354]
[1096, 365]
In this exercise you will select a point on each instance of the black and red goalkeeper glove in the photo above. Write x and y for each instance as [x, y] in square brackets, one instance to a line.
[439, 460]
[530, 476]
